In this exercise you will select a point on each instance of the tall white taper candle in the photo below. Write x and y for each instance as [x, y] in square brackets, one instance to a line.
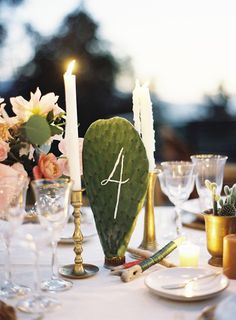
[71, 131]
[143, 120]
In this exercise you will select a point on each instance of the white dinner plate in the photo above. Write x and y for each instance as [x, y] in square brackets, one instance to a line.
[199, 290]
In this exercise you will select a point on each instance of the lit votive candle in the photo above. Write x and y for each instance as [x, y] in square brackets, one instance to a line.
[188, 255]
[229, 256]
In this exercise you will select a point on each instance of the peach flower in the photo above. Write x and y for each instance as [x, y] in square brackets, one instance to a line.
[48, 167]
[4, 149]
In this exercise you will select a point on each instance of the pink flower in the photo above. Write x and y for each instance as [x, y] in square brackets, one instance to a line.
[4, 149]
[62, 146]
[48, 167]
[63, 161]
[6, 171]
[11, 183]
[37, 105]
[20, 169]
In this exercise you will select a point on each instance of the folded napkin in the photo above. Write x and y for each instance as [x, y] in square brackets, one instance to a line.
[7, 312]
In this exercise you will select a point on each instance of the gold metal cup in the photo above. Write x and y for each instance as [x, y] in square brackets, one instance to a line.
[149, 235]
[216, 228]
[78, 270]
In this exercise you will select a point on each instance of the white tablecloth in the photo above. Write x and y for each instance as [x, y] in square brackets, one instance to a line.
[106, 297]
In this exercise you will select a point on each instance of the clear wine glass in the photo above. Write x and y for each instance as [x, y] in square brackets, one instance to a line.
[53, 198]
[36, 238]
[12, 211]
[208, 167]
[177, 182]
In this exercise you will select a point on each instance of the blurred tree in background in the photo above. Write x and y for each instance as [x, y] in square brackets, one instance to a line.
[3, 27]
[218, 105]
[78, 38]
[97, 68]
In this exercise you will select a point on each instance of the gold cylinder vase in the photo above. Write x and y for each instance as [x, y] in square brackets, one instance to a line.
[216, 228]
[149, 235]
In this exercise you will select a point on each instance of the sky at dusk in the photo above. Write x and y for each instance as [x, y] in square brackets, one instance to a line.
[183, 48]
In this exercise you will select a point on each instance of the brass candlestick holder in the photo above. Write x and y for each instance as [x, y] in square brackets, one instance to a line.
[78, 270]
[149, 235]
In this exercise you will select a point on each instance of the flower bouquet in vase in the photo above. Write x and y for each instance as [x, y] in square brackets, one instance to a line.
[26, 137]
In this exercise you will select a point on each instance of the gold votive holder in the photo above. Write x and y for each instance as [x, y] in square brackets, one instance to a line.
[78, 270]
[217, 227]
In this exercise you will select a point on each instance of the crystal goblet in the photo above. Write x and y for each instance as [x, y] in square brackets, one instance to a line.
[208, 167]
[12, 211]
[177, 182]
[53, 198]
[36, 238]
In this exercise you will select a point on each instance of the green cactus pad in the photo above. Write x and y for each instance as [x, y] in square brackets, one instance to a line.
[228, 205]
[102, 149]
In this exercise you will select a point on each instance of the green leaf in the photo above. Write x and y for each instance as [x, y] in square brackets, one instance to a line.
[37, 130]
[50, 116]
[55, 130]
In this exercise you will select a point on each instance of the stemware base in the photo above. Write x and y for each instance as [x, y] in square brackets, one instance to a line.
[38, 304]
[11, 290]
[68, 271]
[56, 285]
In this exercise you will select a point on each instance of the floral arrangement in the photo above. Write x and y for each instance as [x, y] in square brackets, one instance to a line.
[26, 137]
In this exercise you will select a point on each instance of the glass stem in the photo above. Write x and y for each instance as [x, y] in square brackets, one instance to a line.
[54, 261]
[178, 221]
[8, 271]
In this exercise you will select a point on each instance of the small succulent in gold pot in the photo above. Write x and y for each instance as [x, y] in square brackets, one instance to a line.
[220, 221]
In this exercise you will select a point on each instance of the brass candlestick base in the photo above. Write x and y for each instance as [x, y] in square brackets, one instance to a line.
[149, 236]
[78, 270]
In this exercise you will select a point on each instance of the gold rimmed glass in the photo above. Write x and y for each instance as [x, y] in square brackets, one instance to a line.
[52, 203]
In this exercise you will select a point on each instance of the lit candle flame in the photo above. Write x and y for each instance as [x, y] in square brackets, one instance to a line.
[70, 68]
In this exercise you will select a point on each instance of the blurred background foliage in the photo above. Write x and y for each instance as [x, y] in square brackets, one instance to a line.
[211, 131]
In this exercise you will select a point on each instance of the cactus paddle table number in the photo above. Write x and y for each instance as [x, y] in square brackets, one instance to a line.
[116, 179]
